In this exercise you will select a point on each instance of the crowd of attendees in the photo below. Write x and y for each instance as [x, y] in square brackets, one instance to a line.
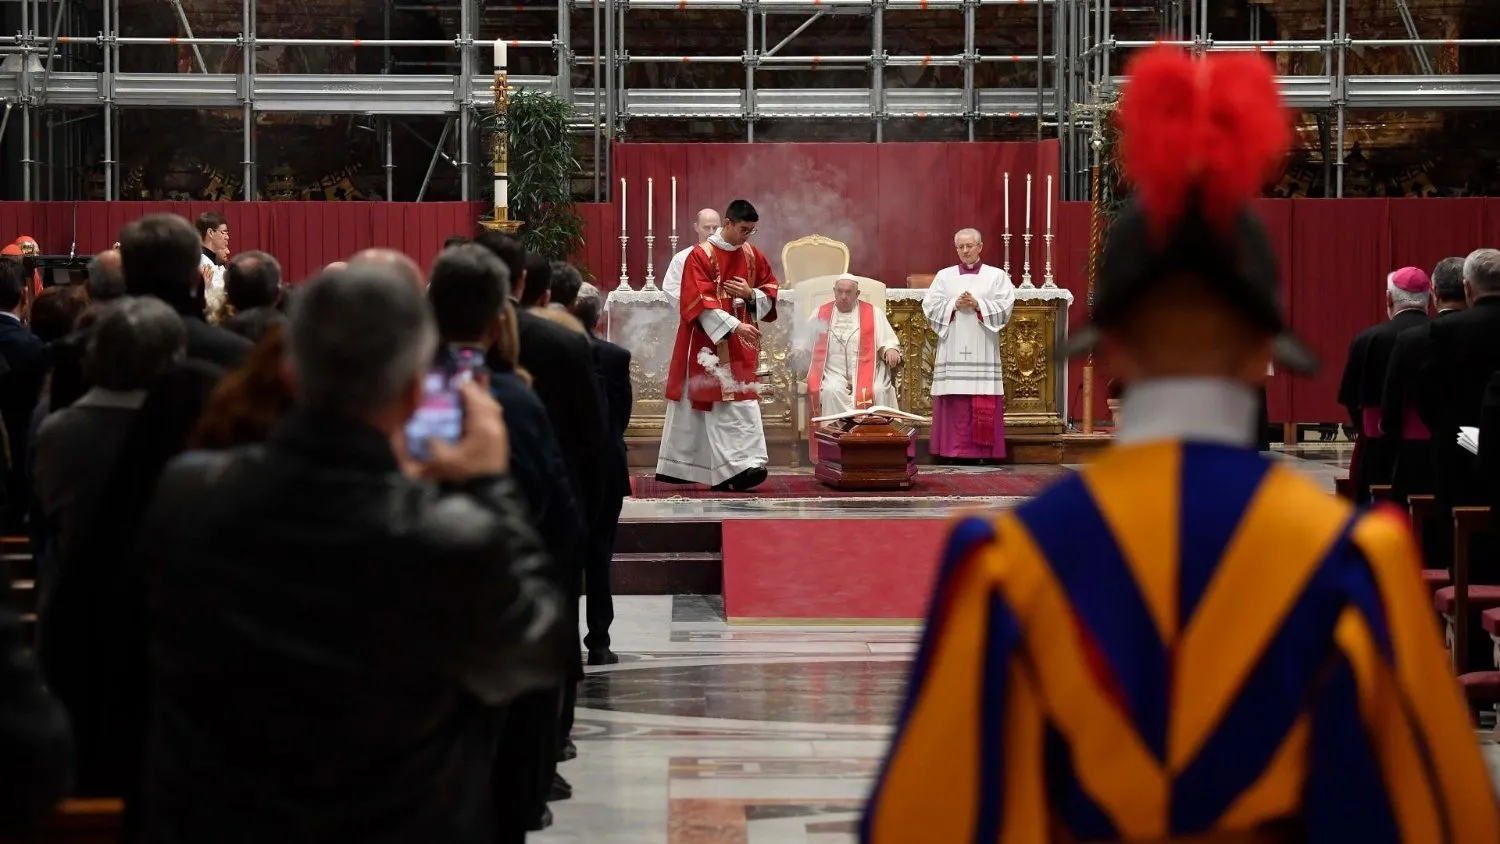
[262, 613]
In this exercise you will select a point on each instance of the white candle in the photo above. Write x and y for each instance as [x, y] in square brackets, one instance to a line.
[650, 201]
[674, 205]
[1007, 202]
[1049, 203]
[622, 205]
[500, 53]
[1028, 203]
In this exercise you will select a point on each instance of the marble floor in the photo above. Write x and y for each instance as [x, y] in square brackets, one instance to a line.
[707, 732]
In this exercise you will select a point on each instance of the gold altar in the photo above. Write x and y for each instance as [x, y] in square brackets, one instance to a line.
[645, 322]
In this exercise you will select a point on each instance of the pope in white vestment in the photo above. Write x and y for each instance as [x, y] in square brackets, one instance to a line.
[853, 354]
[967, 305]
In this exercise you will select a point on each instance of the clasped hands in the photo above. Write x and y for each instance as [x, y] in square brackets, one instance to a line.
[967, 303]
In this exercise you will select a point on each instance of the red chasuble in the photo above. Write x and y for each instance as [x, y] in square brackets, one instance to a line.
[703, 277]
[864, 382]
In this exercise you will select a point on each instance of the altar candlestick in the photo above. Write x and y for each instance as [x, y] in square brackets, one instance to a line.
[622, 205]
[1049, 203]
[650, 234]
[1005, 235]
[1028, 202]
[674, 205]
[500, 53]
[1007, 200]
[1026, 242]
[624, 238]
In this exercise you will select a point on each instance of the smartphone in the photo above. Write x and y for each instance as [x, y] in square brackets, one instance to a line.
[441, 414]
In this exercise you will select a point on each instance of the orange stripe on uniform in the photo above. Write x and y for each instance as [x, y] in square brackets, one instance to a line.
[1422, 677]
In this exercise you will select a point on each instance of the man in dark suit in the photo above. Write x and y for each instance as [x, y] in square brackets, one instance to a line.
[160, 254]
[562, 368]
[20, 384]
[1406, 405]
[613, 365]
[1464, 355]
[1406, 293]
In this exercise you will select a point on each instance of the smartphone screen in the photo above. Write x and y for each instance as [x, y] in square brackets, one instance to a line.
[441, 414]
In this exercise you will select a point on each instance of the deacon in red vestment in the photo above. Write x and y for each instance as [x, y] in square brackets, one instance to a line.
[713, 434]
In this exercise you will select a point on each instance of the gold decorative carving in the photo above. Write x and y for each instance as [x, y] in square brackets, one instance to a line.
[918, 353]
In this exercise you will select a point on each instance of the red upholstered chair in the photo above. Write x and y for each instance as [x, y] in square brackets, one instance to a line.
[1482, 688]
[1435, 579]
[1458, 601]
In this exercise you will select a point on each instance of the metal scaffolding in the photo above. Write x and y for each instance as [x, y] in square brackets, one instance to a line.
[1076, 62]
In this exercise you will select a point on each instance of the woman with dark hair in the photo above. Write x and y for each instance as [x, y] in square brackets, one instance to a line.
[94, 636]
[250, 401]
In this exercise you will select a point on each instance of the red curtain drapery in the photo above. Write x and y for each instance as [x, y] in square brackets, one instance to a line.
[304, 236]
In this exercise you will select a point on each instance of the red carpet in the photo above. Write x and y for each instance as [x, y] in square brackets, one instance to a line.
[830, 569]
[1001, 481]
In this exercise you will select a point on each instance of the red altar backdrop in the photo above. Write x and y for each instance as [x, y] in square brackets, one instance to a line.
[895, 205]
[304, 236]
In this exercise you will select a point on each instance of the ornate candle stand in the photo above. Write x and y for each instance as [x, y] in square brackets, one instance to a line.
[501, 153]
[1026, 261]
[1006, 238]
[672, 239]
[624, 274]
[650, 261]
[1047, 281]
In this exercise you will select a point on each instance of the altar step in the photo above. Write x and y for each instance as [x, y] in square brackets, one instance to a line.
[1024, 449]
[668, 557]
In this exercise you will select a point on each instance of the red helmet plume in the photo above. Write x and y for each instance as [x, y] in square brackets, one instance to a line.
[1216, 126]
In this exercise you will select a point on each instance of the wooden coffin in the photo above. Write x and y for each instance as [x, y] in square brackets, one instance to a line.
[866, 452]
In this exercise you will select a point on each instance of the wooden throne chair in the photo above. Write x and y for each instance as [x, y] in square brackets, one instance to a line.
[811, 257]
[813, 293]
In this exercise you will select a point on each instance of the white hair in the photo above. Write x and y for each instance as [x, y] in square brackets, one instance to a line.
[974, 233]
[1482, 270]
[1403, 299]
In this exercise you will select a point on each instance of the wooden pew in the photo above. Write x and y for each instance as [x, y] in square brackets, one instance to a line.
[79, 821]
[1420, 506]
[1455, 601]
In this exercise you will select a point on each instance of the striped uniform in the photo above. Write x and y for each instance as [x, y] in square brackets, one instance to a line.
[1182, 640]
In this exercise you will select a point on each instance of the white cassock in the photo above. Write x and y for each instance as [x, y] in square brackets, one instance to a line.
[841, 360]
[968, 354]
[671, 280]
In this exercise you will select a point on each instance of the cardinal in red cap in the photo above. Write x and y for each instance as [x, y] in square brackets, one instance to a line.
[1185, 640]
[1407, 293]
[26, 247]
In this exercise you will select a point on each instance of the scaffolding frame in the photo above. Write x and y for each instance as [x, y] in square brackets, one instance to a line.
[1076, 69]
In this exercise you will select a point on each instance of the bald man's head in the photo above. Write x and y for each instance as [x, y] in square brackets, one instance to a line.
[708, 223]
[106, 276]
[336, 266]
[391, 259]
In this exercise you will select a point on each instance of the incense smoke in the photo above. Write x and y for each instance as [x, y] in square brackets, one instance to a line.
[722, 374]
[796, 197]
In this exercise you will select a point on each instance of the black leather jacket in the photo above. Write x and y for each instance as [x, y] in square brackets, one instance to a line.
[327, 636]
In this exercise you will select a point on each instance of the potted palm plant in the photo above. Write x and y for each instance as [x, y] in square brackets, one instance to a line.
[541, 168]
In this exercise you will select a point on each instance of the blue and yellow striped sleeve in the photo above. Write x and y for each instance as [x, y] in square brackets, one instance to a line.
[966, 760]
[1393, 754]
